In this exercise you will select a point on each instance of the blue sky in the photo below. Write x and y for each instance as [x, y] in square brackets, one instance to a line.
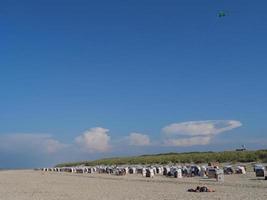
[105, 78]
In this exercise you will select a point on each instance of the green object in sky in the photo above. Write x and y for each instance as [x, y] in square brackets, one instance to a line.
[221, 14]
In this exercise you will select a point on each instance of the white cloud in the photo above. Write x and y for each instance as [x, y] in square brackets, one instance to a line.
[196, 132]
[53, 146]
[188, 141]
[41, 143]
[197, 128]
[94, 140]
[138, 139]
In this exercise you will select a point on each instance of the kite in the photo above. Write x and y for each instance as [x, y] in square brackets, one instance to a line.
[222, 14]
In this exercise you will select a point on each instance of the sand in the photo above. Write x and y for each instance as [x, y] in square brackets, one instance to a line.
[38, 185]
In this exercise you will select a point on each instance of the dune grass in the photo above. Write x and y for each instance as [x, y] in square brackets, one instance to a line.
[190, 157]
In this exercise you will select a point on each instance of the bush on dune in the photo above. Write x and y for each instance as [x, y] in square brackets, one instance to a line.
[188, 157]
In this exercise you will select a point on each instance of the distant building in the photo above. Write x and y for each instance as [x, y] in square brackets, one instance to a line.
[243, 148]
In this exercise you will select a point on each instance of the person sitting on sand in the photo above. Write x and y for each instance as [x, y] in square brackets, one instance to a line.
[201, 189]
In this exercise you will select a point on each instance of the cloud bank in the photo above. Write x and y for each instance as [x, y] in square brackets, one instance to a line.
[44, 148]
[196, 132]
[39, 143]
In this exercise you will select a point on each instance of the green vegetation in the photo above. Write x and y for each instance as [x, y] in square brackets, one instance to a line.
[191, 157]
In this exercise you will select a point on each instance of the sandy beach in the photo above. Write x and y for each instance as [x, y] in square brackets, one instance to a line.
[38, 185]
